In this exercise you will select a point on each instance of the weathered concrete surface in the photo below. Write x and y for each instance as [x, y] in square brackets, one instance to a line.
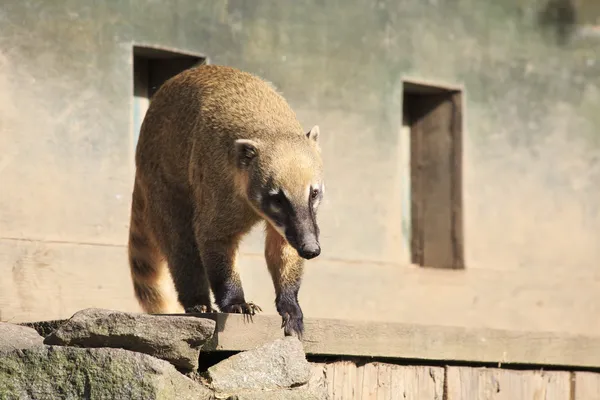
[275, 365]
[50, 372]
[174, 339]
[18, 337]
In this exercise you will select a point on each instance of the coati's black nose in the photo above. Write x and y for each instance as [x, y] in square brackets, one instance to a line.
[310, 250]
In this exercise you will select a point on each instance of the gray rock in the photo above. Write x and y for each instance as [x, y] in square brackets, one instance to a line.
[18, 337]
[171, 338]
[44, 328]
[276, 365]
[55, 372]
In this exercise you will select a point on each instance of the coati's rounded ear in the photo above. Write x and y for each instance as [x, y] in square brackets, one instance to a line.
[313, 134]
[246, 150]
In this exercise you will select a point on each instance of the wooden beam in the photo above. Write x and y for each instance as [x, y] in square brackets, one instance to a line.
[236, 332]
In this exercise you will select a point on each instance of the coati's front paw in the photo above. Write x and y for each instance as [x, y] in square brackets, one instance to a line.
[200, 309]
[293, 325]
[242, 308]
[292, 319]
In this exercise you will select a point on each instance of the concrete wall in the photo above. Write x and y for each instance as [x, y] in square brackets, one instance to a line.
[531, 74]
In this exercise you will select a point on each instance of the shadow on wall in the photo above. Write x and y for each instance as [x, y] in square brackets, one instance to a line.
[559, 18]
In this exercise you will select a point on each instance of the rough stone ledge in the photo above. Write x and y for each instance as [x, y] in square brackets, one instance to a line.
[14, 337]
[51, 372]
[277, 369]
[174, 339]
[276, 365]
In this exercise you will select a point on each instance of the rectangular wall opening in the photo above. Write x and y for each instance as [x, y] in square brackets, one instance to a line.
[151, 68]
[432, 130]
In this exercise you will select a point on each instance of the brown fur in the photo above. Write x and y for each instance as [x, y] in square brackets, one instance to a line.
[213, 141]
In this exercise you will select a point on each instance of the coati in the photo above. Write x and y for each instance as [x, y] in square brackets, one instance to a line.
[219, 151]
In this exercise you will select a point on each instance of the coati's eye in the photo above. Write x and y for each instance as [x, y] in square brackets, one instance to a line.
[276, 201]
[314, 194]
[276, 198]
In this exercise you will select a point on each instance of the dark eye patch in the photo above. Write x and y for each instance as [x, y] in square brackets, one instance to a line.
[282, 209]
[277, 199]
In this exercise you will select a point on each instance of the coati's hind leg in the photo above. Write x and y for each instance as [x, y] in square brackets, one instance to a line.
[286, 267]
[189, 275]
[219, 258]
[173, 221]
[145, 260]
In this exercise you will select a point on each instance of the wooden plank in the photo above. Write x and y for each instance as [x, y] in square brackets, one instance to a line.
[586, 386]
[456, 187]
[384, 381]
[330, 379]
[416, 173]
[436, 184]
[435, 178]
[360, 378]
[344, 382]
[417, 383]
[397, 385]
[498, 384]
[334, 337]
[369, 382]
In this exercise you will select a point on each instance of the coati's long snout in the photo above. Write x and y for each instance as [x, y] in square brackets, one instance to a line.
[302, 233]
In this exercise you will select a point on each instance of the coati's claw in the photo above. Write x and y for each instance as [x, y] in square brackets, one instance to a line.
[292, 319]
[285, 318]
[292, 326]
[242, 308]
[200, 309]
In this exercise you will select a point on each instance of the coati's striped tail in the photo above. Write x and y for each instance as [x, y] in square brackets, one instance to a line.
[145, 261]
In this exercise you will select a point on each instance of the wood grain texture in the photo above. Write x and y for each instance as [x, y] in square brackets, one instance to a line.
[354, 338]
[436, 187]
[417, 383]
[383, 381]
[435, 180]
[497, 384]
[457, 131]
[587, 386]
[344, 380]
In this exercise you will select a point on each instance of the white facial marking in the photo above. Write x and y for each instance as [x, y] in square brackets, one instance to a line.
[316, 201]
